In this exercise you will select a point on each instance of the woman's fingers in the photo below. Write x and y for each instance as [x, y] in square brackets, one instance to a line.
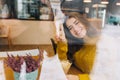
[60, 38]
[62, 34]
[61, 30]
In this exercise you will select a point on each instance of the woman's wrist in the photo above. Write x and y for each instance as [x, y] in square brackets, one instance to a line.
[66, 65]
[72, 77]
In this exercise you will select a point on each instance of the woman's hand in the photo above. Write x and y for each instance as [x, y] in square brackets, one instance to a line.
[72, 77]
[61, 37]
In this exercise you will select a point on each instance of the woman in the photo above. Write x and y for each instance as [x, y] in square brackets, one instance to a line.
[78, 31]
[85, 57]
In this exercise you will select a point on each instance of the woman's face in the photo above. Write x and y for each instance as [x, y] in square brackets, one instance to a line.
[76, 28]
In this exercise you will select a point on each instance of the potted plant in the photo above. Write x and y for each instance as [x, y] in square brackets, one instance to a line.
[32, 65]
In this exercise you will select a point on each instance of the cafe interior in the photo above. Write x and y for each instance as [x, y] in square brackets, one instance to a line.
[27, 25]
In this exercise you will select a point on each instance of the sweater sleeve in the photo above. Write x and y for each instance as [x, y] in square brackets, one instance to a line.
[84, 77]
[62, 50]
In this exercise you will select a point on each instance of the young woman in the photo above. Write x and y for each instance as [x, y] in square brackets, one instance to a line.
[90, 55]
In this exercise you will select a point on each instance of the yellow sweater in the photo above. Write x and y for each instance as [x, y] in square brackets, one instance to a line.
[84, 58]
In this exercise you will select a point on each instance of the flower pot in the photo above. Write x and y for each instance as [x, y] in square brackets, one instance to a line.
[29, 76]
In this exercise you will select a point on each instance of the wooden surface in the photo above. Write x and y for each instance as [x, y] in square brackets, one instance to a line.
[29, 31]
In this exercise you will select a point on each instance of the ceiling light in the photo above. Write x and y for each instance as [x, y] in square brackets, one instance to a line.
[104, 2]
[87, 1]
[69, 0]
[99, 5]
[118, 3]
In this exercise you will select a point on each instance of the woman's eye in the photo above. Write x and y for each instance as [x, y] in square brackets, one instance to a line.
[70, 27]
[76, 23]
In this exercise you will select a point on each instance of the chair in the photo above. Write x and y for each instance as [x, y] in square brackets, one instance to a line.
[5, 34]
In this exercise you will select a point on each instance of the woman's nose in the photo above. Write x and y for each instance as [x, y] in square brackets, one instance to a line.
[75, 28]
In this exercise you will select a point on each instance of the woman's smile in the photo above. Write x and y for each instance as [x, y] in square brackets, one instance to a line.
[76, 28]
